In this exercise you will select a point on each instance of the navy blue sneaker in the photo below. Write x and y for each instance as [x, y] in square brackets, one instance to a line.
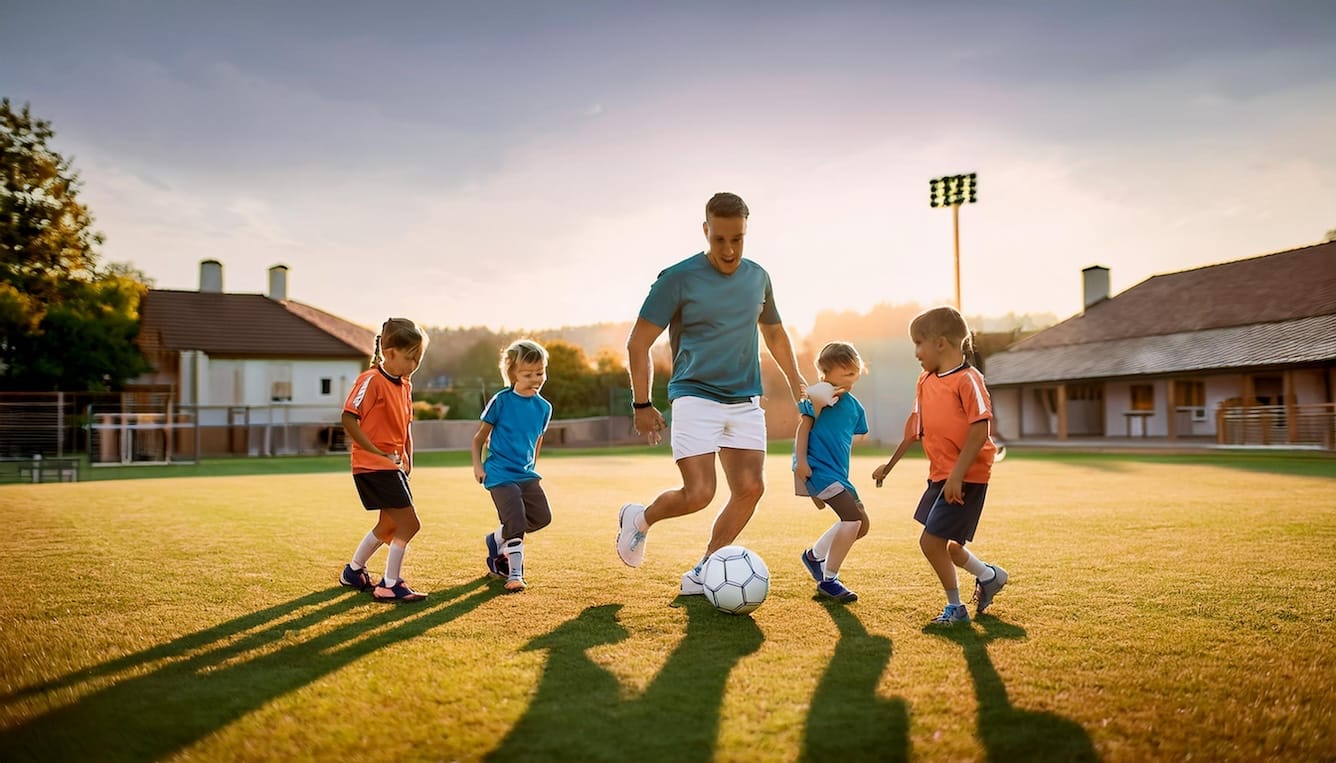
[836, 590]
[813, 566]
[358, 579]
[498, 564]
[397, 592]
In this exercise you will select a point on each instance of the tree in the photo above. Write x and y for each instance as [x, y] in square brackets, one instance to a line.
[65, 321]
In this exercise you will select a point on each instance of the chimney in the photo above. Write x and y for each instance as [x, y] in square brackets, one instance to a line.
[278, 283]
[1094, 285]
[211, 276]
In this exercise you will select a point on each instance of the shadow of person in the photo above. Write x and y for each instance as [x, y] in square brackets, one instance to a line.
[177, 646]
[848, 720]
[1009, 733]
[155, 714]
[578, 712]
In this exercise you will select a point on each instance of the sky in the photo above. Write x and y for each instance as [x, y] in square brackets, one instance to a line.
[530, 165]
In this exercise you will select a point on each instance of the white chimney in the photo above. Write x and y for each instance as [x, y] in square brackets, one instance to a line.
[211, 276]
[1094, 285]
[278, 283]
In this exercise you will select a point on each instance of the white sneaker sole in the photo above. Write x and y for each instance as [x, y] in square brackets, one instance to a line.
[630, 557]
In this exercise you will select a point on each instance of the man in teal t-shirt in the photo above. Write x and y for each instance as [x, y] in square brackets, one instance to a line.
[711, 303]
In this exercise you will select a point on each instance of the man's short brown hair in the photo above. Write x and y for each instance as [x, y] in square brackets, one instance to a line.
[726, 205]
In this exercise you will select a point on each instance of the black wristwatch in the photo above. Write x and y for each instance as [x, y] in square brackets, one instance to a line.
[643, 406]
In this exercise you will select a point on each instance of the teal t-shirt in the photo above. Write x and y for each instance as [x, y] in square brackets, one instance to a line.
[711, 320]
[830, 442]
[512, 449]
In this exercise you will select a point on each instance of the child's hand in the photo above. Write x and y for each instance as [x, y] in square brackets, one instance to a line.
[954, 491]
[479, 474]
[879, 474]
[803, 471]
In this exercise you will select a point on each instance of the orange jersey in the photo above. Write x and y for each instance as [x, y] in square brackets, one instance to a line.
[944, 408]
[383, 405]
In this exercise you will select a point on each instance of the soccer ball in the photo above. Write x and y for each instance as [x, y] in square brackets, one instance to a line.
[736, 580]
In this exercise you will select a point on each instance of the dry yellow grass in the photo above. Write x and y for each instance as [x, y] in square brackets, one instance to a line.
[1156, 611]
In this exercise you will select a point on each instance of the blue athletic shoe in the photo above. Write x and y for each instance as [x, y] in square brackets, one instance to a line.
[813, 566]
[836, 590]
[498, 564]
[358, 579]
[954, 613]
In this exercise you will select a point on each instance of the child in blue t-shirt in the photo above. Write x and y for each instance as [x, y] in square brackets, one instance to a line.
[821, 451]
[512, 429]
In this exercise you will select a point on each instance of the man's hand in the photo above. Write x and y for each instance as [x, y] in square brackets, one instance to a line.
[649, 422]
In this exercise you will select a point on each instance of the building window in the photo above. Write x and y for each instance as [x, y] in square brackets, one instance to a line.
[1143, 397]
[1189, 394]
[280, 382]
[326, 385]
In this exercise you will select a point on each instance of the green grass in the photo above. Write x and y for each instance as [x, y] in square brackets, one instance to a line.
[1158, 610]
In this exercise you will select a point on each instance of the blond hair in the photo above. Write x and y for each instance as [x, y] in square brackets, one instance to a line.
[521, 351]
[838, 355]
[945, 322]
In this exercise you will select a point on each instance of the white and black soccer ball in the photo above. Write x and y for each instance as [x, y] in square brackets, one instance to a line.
[736, 580]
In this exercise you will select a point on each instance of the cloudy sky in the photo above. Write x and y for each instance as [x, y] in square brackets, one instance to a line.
[535, 164]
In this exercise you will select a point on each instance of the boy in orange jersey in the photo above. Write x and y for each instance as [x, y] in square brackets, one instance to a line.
[952, 415]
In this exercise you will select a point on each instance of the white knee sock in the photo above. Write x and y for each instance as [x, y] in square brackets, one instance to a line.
[974, 566]
[364, 551]
[395, 562]
[821, 549]
[514, 551]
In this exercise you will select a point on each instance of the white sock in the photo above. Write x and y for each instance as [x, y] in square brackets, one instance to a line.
[821, 549]
[640, 523]
[953, 597]
[514, 551]
[364, 551]
[974, 566]
[394, 562]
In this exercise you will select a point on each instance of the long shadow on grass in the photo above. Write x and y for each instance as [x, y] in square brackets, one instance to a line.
[579, 714]
[153, 715]
[1009, 733]
[848, 720]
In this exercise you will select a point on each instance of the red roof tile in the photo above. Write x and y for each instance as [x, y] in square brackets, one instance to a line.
[246, 325]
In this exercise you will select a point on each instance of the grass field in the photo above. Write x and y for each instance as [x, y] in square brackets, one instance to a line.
[1156, 611]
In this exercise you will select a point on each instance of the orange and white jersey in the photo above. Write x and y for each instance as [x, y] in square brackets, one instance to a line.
[383, 405]
[944, 408]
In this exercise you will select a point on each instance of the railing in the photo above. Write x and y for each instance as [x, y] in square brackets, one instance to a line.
[1312, 425]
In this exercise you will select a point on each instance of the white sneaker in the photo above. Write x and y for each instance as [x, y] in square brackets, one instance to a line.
[630, 541]
[692, 585]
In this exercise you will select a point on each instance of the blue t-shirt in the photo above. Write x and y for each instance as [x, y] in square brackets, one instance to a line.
[711, 320]
[517, 423]
[830, 442]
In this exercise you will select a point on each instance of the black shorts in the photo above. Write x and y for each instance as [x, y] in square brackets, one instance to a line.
[384, 489]
[953, 521]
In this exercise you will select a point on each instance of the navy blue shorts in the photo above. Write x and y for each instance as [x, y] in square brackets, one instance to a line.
[384, 489]
[953, 521]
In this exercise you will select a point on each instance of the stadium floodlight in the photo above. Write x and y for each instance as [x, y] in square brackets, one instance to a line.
[952, 191]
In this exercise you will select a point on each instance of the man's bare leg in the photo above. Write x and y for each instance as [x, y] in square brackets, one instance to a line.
[698, 486]
[745, 472]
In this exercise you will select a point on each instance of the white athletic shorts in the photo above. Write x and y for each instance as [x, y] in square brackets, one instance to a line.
[703, 426]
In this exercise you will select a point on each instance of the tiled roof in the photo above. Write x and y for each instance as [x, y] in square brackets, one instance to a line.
[1309, 340]
[246, 325]
[1274, 310]
[1277, 287]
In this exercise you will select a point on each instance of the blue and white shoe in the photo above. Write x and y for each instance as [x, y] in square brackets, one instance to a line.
[692, 584]
[498, 564]
[358, 579]
[630, 540]
[836, 590]
[815, 567]
[984, 592]
[954, 613]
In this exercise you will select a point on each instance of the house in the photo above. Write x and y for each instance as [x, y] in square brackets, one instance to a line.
[1239, 353]
[243, 373]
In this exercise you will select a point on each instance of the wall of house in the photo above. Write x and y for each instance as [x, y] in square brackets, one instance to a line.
[1006, 412]
[251, 382]
[1118, 401]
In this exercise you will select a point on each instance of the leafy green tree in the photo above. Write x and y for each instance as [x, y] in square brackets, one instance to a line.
[65, 322]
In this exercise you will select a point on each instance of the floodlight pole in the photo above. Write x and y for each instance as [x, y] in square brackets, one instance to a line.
[953, 191]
